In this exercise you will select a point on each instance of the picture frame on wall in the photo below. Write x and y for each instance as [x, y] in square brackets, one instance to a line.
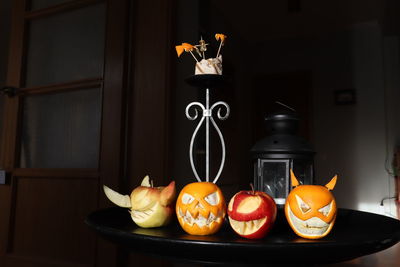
[345, 97]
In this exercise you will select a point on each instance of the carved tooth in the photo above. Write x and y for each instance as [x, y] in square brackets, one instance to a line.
[261, 222]
[137, 214]
[189, 218]
[242, 226]
[249, 225]
[257, 223]
[200, 221]
[211, 217]
[188, 215]
[147, 212]
[234, 224]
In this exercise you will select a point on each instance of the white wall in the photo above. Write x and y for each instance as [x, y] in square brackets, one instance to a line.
[391, 47]
[358, 149]
[359, 155]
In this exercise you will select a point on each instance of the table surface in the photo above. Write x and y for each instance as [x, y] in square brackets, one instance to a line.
[355, 234]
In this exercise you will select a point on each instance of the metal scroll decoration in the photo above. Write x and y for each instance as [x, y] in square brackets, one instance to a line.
[207, 116]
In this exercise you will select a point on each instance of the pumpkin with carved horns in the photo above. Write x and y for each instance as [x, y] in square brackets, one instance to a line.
[201, 208]
[311, 209]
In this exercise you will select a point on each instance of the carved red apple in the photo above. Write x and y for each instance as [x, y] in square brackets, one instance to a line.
[252, 213]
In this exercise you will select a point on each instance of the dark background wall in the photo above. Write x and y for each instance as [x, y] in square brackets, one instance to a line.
[341, 45]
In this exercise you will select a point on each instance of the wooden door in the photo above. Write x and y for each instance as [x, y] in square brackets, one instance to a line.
[62, 131]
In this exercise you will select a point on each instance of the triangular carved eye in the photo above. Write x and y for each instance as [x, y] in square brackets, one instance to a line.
[325, 210]
[187, 199]
[212, 199]
[302, 205]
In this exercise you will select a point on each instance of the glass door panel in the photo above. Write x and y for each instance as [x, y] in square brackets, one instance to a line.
[61, 130]
[66, 47]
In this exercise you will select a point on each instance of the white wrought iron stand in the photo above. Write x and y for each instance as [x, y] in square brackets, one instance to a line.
[207, 116]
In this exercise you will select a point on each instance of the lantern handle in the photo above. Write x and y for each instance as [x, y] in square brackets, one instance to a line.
[286, 106]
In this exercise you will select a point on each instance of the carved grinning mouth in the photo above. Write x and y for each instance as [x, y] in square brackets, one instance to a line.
[247, 227]
[141, 215]
[199, 220]
[311, 227]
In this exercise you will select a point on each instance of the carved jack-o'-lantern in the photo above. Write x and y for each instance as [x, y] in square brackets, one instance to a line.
[201, 208]
[311, 209]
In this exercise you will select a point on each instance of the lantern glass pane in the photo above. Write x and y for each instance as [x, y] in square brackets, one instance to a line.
[275, 178]
[303, 170]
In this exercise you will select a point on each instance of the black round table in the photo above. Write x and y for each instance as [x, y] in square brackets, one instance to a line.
[355, 234]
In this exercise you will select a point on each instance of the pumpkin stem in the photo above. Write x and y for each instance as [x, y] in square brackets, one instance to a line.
[151, 182]
[252, 187]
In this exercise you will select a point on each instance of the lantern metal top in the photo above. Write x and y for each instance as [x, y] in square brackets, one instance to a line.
[282, 141]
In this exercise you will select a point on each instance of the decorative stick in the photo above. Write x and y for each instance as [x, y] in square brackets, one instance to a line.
[219, 49]
[187, 48]
[220, 36]
[193, 56]
[198, 51]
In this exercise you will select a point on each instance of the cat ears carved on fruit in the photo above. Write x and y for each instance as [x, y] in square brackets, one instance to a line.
[329, 185]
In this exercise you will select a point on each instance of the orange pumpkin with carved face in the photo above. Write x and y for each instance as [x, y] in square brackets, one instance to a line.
[311, 209]
[201, 208]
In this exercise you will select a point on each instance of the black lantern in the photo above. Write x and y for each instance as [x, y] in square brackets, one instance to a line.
[280, 151]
